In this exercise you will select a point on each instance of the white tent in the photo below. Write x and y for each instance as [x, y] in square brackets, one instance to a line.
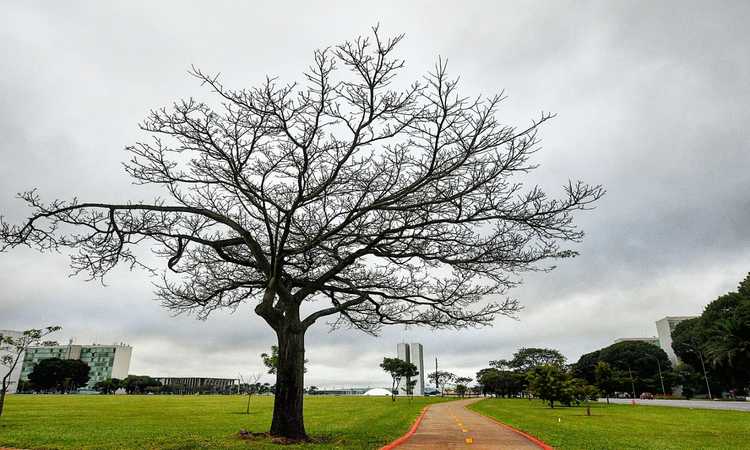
[378, 392]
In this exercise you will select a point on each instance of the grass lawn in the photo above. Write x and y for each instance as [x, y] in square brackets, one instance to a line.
[623, 426]
[196, 422]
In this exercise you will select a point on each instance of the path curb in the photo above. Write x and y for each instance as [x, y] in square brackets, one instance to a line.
[534, 439]
[409, 433]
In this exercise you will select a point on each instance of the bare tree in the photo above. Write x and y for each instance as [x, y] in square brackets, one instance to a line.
[252, 386]
[14, 348]
[394, 205]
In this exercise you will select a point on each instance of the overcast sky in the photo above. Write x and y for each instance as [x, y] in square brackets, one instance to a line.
[651, 101]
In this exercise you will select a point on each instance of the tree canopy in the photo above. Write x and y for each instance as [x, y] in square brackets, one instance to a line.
[526, 359]
[719, 339]
[61, 375]
[108, 386]
[642, 360]
[398, 369]
[139, 384]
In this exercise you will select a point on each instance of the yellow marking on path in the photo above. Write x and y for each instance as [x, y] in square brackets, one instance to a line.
[469, 440]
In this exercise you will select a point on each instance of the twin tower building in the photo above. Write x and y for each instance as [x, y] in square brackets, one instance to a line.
[412, 353]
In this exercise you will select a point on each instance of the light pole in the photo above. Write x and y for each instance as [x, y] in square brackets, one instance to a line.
[694, 349]
[705, 376]
[658, 366]
[630, 372]
[661, 378]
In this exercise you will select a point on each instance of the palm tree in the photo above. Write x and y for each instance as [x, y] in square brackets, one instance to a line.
[729, 342]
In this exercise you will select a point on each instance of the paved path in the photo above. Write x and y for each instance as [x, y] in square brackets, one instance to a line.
[450, 425]
[703, 404]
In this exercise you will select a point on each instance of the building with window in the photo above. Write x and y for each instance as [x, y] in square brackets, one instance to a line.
[104, 361]
[412, 353]
[16, 375]
[192, 385]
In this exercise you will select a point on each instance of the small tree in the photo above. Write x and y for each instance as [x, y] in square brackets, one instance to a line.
[14, 348]
[606, 380]
[398, 369]
[108, 386]
[441, 378]
[584, 392]
[550, 383]
[253, 387]
[410, 385]
[462, 385]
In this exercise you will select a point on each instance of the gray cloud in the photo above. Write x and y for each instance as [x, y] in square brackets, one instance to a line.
[651, 102]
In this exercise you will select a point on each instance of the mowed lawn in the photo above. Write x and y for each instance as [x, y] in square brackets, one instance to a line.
[623, 426]
[196, 422]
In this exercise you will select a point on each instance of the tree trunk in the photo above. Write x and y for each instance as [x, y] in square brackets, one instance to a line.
[3, 390]
[287, 420]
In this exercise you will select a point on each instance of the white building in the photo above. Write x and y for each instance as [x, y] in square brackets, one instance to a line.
[664, 328]
[412, 353]
[16, 375]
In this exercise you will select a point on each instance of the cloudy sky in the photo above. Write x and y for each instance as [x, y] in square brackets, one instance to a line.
[651, 101]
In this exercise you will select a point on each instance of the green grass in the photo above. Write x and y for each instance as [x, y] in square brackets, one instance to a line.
[623, 426]
[195, 422]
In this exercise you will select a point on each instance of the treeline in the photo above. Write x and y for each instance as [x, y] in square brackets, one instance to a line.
[719, 342]
[535, 373]
[141, 384]
[713, 350]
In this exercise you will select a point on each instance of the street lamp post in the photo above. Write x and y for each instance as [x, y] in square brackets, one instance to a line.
[658, 366]
[705, 376]
[661, 378]
[693, 348]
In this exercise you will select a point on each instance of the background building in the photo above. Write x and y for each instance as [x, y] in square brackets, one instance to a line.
[417, 359]
[345, 391]
[105, 361]
[664, 328]
[192, 385]
[16, 375]
[649, 340]
[412, 353]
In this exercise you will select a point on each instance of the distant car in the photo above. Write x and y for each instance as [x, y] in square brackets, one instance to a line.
[647, 396]
[431, 391]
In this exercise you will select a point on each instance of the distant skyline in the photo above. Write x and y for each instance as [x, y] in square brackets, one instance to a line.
[651, 102]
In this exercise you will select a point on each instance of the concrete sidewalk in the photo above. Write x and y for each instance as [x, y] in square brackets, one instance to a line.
[450, 425]
[697, 404]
